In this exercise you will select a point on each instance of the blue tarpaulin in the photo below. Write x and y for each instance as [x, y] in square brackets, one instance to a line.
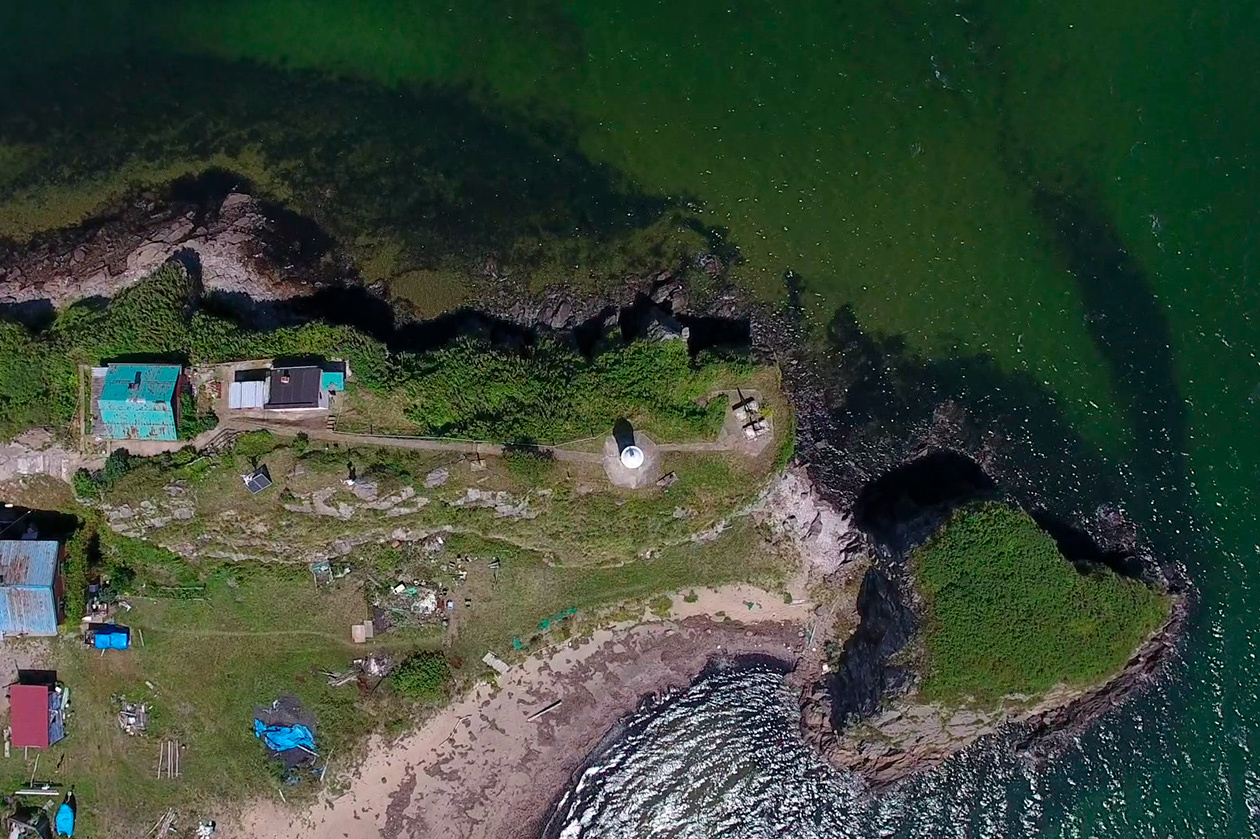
[111, 641]
[65, 820]
[281, 738]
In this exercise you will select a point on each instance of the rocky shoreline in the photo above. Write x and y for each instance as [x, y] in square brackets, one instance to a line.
[859, 419]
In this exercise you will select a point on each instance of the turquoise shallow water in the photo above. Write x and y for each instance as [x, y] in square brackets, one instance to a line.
[1066, 187]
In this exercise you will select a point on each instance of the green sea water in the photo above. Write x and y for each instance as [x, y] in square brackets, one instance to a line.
[1069, 188]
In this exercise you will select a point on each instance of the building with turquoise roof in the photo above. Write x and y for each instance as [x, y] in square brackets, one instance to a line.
[140, 402]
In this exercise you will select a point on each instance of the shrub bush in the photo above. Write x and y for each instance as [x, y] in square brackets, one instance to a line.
[1006, 614]
[78, 566]
[423, 677]
[547, 392]
[254, 444]
[192, 421]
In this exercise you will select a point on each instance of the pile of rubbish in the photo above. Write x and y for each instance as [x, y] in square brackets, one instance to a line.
[133, 717]
[33, 821]
[365, 671]
[287, 732]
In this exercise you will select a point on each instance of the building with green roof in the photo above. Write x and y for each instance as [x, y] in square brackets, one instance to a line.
[140, 402]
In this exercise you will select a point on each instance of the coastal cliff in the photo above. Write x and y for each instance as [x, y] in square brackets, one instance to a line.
[866, 715]
[884, 444]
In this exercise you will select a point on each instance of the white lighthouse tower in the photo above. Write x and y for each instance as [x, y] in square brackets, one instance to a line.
[632, 457]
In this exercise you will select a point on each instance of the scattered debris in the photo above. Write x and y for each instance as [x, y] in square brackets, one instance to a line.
[362, 670]
[164, 825]
[377, 665]
[169, 759]
[667, 480]
[546, 623]
[322, 571]
[437, 478]
[133, 717]
[287, 731]
[336, 680]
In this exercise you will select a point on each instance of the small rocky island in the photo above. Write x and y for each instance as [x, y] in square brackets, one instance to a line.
[974, 618]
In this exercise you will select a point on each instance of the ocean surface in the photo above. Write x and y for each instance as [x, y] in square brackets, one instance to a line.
[1065, 188]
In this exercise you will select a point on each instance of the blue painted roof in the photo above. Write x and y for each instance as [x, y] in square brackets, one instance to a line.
[332, 380]
[137, 401]
[27, 571]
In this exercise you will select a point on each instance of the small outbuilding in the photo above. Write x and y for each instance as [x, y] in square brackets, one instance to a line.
[248, 390]
[304, 386]
[140, 402]
[30, 587]
[37, 711]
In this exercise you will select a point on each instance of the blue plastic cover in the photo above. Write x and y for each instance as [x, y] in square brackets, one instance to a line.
[111, 641]
[65, 820]
[281, 738]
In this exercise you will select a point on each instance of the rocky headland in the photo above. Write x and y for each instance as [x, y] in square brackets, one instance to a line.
[887, 446]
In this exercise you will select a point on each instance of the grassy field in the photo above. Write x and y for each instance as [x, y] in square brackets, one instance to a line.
[253, 634]
[231, 618]
[258, 631]
[1008, 616]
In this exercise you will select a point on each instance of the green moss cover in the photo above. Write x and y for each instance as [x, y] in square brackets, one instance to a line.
[1007, 614]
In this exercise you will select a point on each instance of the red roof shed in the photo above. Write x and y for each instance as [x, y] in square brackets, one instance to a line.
[28, 713]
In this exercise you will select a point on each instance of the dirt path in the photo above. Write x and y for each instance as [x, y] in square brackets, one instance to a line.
[316, 428]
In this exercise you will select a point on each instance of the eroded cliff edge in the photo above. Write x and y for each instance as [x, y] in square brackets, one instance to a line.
[867, 415]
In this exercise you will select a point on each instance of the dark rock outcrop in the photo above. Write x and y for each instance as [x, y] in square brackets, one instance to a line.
[234, 243]
[866, 675]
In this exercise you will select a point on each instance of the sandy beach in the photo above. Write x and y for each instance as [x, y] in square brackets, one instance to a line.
[482, 768]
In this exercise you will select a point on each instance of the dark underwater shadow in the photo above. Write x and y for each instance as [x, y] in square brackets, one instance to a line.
[450, 179]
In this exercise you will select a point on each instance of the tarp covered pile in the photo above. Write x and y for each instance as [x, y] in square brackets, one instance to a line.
[108, 636]
[282, 738]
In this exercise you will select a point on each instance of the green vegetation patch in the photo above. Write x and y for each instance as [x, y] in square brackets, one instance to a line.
[551, 393]
[424, 677]
[546, 392]
[1007, 615]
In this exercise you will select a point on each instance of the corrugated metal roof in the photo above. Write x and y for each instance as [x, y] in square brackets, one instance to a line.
[247, 395]
[294, 387]
[27, 571]
[28, 610]
[28, 562]
[136, 401]
[28, 715]
[140, 382]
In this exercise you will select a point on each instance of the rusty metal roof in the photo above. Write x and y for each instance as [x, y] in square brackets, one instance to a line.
[28, 562]
[27, 571]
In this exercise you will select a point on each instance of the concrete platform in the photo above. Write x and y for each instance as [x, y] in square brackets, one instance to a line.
[645, 475]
